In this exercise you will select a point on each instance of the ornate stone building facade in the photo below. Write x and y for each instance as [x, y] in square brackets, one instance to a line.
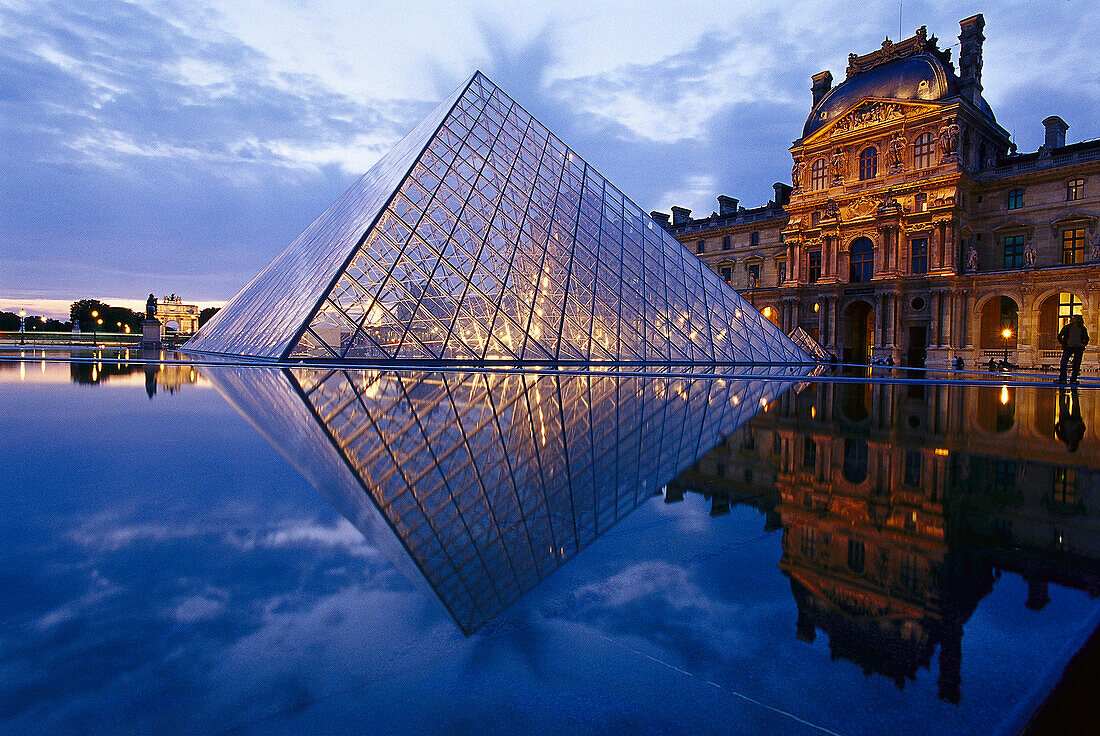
[914, 230]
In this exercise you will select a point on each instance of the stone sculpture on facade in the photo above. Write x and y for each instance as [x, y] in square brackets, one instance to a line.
[1029, 254]
[797, 172]
[838, 164]
[972, 260]
[896, 151]
[949, 140]
[1094, 254]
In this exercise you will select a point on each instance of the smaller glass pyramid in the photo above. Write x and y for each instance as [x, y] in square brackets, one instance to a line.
[809, 345]
[482, 238]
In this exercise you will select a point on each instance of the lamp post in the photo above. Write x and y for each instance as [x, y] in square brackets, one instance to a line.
[1006, 333]
[22, 326]
[95, 321]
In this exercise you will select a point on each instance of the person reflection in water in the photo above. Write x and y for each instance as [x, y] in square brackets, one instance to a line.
[1070, 427]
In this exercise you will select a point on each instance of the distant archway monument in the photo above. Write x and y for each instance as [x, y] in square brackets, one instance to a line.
[171, 309]
[482, 238]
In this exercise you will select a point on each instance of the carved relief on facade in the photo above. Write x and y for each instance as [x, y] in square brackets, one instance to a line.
[832, 209]
[869, 113]
[861, 207]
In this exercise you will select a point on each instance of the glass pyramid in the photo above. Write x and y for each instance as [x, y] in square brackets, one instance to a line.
[481, 237]
[488, 482]
[809, 345]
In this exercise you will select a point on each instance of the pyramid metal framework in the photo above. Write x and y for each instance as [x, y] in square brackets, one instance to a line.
[481, 237]
[490, 481]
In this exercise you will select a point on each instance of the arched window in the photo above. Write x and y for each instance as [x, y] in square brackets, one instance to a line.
[868, 163]
[819, 174]
[923, 148]
[862, 260]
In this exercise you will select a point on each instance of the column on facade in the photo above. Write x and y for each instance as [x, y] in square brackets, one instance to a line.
[948, 318]
[790, 260]
[880, 318]
[934, 261]
[951, 248]
[969, 305]
[831, 307]
[822, 320]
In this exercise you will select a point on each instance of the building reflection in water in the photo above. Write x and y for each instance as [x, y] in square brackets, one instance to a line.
[489, 481]
[901, 505]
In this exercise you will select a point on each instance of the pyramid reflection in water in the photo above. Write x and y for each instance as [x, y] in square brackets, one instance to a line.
[481, 237]
[489, 481]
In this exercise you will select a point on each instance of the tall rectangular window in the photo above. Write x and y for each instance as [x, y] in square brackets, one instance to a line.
[920, 202]
[727, 274]
[809, 453]
[754, 275]
[1016, 199]
[701, 247]
[1014, 251]
[815, 219]
[912, 468]
[1073, 246]
[754, 239]
[813, 270]
[1075, 189]
[819, 174]
[726, 243]
[782, 271]
[919, 256]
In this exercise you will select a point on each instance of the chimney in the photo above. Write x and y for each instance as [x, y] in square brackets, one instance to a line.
[782, 193]
[727, 205]
[823, 82]
[660, 218]
[680, 215]
[970, 57]
[1056, 132]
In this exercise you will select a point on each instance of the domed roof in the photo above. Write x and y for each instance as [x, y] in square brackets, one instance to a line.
[918, 77]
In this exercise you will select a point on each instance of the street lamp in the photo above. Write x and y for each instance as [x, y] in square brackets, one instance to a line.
[1006, 333]
[22, 326]
[95, 321]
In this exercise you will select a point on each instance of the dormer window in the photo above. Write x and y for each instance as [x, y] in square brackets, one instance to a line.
[923, 149]
[819, 174]
[868, 163]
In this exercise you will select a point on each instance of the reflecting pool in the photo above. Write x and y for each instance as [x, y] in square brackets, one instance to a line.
[199, 548]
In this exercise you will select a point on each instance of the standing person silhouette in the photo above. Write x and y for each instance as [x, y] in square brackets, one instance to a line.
[1073, 338]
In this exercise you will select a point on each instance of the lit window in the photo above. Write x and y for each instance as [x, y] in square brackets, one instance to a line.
[1016, 199]
[819, 174]
[1014, 251]
[1068, 306]
[923, 149]
[1075, 189]
[814, 266]
[754, 274]
[920, 202]
[919, 255]
[1065, 486]
[727, 274]
[862, 260]
[726, 243]
[868, 163]
[1073, 246]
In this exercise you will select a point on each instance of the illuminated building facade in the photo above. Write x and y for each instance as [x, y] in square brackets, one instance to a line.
[914, 230]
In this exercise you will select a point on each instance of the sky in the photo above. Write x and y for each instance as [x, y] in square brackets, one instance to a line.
[177, 146]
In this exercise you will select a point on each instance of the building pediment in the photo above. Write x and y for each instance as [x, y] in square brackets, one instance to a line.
[1013, 225]
[1074, 217]
[870, 112]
